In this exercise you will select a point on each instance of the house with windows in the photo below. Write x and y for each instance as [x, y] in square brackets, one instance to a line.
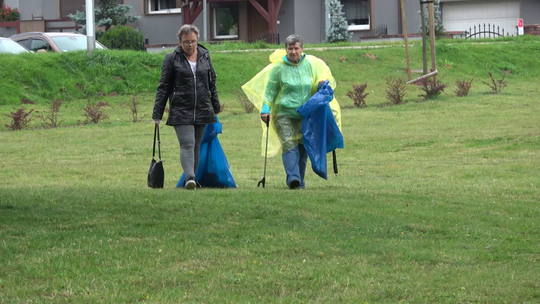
[274, 20]
[245, 20]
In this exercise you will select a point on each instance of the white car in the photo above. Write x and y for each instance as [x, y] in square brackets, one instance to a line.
[53, 42]
[9, 46]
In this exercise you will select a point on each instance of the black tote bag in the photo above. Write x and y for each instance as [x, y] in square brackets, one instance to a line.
[156, 174]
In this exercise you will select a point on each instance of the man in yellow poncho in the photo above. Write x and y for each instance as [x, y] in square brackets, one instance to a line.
[277, 91]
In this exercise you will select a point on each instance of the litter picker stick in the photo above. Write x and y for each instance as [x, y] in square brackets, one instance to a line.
[334, 158]
[263, 180]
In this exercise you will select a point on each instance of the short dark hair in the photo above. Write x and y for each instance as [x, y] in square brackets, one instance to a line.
[293, 39]
[187, 29]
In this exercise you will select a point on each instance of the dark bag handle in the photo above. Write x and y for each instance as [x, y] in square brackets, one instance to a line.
[156, 132]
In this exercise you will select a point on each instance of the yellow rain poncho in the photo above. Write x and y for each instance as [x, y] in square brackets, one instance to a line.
[284, 86]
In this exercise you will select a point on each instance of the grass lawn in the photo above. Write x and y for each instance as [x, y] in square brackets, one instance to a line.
[435, 201]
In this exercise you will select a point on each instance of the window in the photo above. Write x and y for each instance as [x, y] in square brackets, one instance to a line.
[72, 43]
[11, 3]
[357, 13]
[25, 43]
[225, 22]
[38, 44]
[164, 6]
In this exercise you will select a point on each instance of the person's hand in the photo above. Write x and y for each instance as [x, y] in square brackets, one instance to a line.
[265, 118]
[156, 121]
[321, 83]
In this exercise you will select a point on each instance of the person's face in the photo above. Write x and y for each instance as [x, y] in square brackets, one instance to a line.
[189, 43]
[294, 51]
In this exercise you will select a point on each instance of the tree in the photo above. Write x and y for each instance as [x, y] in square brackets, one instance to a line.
[338, 30]
[107, 14]
[439, 26]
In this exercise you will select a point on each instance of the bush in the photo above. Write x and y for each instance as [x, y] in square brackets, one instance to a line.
[9, 14]
[93, 112]
[396, 90]
[244, 102]
[134, 109]
[358, 96]
[52, 118]
[496, 85]
[19, 119]
[432, 88]
[463, 87]
[123, 38]
[338, 30]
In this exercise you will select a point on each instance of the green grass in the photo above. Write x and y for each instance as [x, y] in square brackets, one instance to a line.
[72, 76]
[435, 201]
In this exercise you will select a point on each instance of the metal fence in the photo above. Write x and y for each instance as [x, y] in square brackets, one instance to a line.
[377, 31]
[483, 32]
[267, 36]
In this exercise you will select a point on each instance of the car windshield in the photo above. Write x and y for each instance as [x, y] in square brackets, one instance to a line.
[72, 43]
[10, 46]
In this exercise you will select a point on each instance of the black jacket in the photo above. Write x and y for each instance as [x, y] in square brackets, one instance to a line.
[192, 99]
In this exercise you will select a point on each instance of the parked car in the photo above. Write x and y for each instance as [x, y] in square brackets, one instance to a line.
[53, 41]
[9, 46]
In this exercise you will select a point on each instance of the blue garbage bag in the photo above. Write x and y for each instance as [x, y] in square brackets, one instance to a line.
[213, 170]
[320, 131]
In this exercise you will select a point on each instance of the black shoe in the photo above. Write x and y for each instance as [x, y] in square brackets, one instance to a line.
[191, 184]
[295, 184]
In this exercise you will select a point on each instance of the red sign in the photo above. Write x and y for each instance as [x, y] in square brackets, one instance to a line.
[520, 22]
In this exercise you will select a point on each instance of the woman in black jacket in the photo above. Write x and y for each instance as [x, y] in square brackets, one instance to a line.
[188, 80]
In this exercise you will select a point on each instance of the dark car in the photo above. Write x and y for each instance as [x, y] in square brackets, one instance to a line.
[9, 46]
[53, 41]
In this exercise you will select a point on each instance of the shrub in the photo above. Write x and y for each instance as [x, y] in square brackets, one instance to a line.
[338, 30]
[134, 109]
[358, 96]
[51, 120]
[496, 85]
[9, 14]
[108, 13]
[463, 87]
[123, 38]
[396, 90]
[440, 32]
[93, 112]
[432, 88]
[244, 102]
[19, 119]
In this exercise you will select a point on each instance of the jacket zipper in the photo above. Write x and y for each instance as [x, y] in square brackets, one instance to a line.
[195, 90]
[195, 80]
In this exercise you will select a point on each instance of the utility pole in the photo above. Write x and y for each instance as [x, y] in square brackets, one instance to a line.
[90, 28]
[205, 22]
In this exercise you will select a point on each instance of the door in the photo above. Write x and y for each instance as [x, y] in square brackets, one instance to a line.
[461, 15]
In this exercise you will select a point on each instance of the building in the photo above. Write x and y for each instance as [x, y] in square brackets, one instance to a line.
[273, 20]
[461, 15]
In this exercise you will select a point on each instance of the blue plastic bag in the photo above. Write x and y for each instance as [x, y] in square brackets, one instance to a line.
[320, 132]
[213, 170]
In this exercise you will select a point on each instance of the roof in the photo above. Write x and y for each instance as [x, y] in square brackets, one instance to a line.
[50, 34]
